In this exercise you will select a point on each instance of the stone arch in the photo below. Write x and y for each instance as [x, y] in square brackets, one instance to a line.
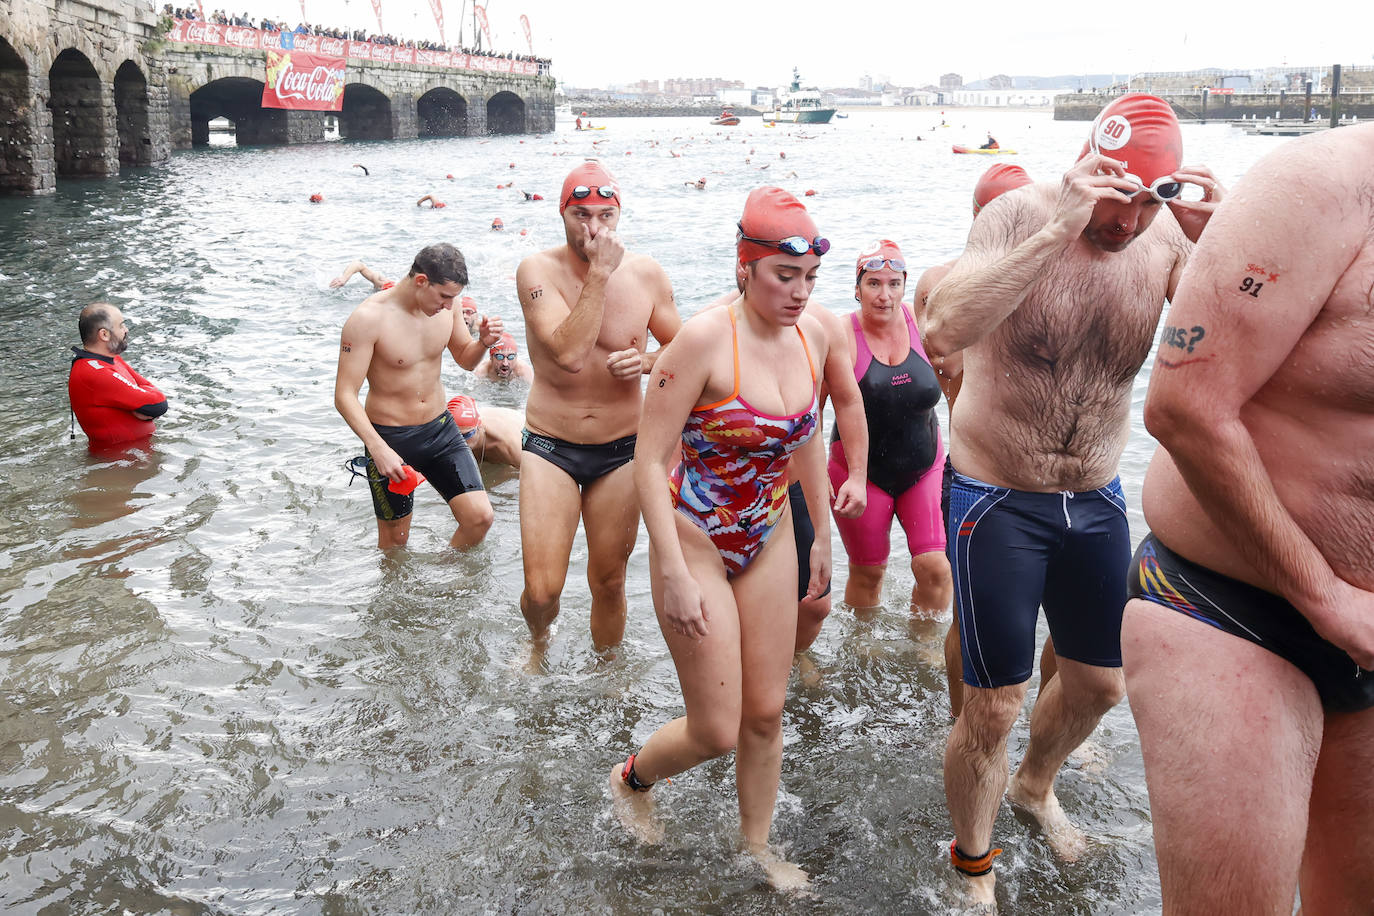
[19, 169]
[366, 114]
[505, 114]
[131, 115]
[442, 112]
[237, 98]
[84, 141]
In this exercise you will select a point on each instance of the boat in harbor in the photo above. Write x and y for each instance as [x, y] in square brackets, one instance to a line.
[796, 105]
[727, 119]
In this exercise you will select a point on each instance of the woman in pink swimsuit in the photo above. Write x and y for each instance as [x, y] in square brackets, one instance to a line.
[738, 389]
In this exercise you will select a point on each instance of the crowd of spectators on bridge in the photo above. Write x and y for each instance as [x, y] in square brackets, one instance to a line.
[220, 17]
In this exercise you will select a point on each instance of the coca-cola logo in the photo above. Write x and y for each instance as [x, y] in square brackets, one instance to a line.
[359, 49]
[403, 55]
[307, 43]
[333, 46]
[202, 32]
[381, 52]
[424, 57]
[445, 59]
[314, 85]
[241, 38]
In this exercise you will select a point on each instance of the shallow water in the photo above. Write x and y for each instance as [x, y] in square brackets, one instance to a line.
[217, 696]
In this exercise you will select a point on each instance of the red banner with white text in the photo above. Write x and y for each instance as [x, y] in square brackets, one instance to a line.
[525, 24]
[304, 82]
[437, 7]
[232, 36]
[377, 8]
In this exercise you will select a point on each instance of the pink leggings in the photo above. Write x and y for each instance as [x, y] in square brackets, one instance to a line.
[867, 538]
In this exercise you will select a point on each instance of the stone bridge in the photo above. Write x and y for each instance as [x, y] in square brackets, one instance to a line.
[89, 86]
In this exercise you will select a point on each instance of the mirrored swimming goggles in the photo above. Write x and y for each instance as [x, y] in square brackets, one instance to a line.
[503, 356]
[877, 264]
[582, 192]
[794, 245]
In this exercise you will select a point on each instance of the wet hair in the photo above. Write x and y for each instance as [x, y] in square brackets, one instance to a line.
[442, 263]
[94, 317]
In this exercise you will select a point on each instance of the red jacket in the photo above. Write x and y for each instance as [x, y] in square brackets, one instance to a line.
[105, 392]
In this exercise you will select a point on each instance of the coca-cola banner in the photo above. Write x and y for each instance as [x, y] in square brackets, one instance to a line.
[305, 82]
[231, 36]
[377, 8]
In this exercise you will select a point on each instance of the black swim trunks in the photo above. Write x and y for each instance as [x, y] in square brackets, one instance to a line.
[804, 533]
[585, 464]
[1158, 574]
[437, 450]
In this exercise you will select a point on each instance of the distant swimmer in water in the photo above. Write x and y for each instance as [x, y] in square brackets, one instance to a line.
[699, 184]
[1249, 636]
[359, 165]
[395, 341]
[589, 309]
[493, 433]
[113, 403]
[530, 197]
[722, 561]
[996, 181]
[498, 224]
[434, 202]
[358, 268]
[905, 453]
[503, 363]
[1037, 514]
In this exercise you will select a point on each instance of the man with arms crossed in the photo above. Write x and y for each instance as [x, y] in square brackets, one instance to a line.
[589, 308]
[1054, 304]
[1249, 639]
[396, 340]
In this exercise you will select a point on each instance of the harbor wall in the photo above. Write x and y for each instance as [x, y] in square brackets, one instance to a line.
[1084, 106]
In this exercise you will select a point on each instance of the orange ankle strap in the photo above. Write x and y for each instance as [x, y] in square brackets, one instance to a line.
[969, 865]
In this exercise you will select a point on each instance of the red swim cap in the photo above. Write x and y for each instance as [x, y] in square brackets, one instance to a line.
[497, 224]
[997, 181]
[407, 486]
[316, 198]
[1141, 132]
[507, 342]
[464, 411]
[468, 302]
[591, 175]
[883, 248]
[772, 213]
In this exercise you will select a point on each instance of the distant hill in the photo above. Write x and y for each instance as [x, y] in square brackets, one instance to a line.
[1073, 81]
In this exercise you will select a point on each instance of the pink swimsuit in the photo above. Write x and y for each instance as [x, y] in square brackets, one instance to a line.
[732, 482]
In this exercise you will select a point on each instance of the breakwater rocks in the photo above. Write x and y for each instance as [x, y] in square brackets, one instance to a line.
[596, 110]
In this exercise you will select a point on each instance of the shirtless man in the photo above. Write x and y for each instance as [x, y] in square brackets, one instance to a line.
[993, 183]
[1249, 639]
[396, 339]
[1054, 303]
[503, 363]
[589, 308]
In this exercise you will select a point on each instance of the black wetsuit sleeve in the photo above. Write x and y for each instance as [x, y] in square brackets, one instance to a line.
[153, 411]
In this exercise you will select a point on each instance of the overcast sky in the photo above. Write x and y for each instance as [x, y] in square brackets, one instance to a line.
[836, 43]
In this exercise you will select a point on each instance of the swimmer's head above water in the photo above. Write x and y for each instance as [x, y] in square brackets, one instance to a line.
[996, 181]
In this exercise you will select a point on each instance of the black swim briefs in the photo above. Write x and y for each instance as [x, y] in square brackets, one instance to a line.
[437, 450]
[584, 463]
[1159, 575]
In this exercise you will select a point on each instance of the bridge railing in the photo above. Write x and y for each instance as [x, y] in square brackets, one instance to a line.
[248, 39]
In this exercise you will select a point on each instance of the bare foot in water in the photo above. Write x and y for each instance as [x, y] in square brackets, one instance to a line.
[1068, 842]
[807, 672]
[537, 661]
[781, 874]
[634, 810]
[980, 894]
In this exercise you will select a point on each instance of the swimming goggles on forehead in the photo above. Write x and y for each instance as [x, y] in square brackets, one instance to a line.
[582, 192]
[1163, 189]
[794, 245]
[877, 264]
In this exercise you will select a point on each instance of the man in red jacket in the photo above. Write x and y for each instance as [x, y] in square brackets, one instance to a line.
[112, 402]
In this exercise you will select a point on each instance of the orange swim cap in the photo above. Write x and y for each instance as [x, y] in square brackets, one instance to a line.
[772, 214]
[885, 250]
[407, 486]
[594, 176]
[996, 181]
[506, 342]
[1141, 132]
[497, 224]
[316, 198]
